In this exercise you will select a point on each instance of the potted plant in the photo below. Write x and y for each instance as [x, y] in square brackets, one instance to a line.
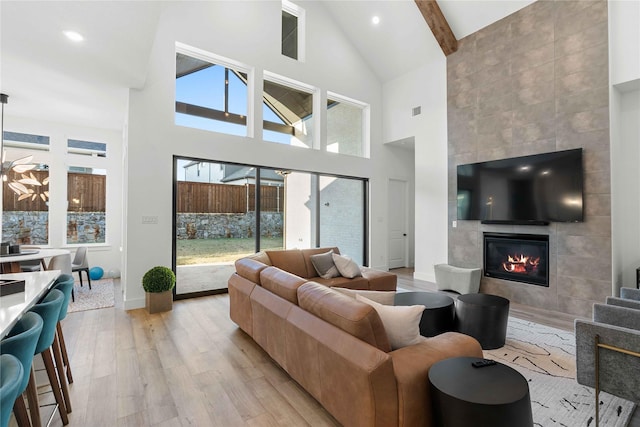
[158, 284]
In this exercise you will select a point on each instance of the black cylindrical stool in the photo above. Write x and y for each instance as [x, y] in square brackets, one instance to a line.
[483, 317]
[491, 396]
[438, 314]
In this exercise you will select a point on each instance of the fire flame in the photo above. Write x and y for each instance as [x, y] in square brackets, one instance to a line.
[521, 264]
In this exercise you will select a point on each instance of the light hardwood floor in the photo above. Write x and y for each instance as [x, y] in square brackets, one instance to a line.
[193, 367]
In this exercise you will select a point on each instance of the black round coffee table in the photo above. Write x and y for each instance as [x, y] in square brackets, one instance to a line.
[483, 317]
[492, 396]
[438, 314]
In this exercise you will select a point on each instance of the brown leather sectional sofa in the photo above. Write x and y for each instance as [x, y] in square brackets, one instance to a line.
[336, 346]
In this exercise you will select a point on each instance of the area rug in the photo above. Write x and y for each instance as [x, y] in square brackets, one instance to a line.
[99, 296]
[546, 358]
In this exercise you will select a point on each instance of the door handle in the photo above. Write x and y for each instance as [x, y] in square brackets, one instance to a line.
[404, 234]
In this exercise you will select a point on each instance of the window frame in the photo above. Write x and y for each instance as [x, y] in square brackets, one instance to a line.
[297, 11]
[203, 55]
[278, 79]
[366, 122]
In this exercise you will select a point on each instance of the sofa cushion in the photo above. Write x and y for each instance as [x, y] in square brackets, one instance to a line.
[402, 323]
[354, 317]
[307, 253]
[346, 266]
[290, 260]
[379, 280]
[382, 297]
[281, 283]
[343, 282]
[324, 265]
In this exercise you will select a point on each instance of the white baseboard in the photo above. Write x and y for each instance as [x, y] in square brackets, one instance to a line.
[380, 267]
[134, 304]
[427, 277]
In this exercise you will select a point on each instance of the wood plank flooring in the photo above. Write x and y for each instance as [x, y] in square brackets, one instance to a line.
[192, 367]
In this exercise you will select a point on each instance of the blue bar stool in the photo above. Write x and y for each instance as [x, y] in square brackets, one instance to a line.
[64, 283]
[49, 309]
[11, 376]
[21, 342]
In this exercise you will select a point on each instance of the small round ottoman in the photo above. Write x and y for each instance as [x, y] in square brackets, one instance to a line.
[483, 317]
[491, 396]
[438, 314]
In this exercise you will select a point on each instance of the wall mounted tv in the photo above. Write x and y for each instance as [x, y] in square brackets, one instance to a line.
[534, 189]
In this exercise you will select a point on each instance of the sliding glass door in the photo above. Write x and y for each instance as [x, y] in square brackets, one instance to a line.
[225, 211]
[215, 223]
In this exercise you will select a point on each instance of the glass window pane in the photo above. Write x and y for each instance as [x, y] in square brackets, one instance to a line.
[342, 215]
[26, 140]
[345, 128]
[289, 35]
[215, 222]
[86, 205]
[294, 111]
[300, 209]
[25, 204]
[272, 203]
[210, 96]
[88, 148]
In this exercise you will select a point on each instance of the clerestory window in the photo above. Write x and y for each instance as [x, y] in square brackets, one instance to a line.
[293, 23]
[211, 96]
[287, 112]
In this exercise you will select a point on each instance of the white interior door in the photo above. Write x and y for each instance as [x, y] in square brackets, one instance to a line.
[398, 240]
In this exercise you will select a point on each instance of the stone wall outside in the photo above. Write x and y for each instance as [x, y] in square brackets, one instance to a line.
[231, 225]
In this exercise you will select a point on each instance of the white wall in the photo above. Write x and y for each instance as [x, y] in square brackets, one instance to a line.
[245, 32]
[105, 255]
[425, 87]
[624, 97]
[624, 41]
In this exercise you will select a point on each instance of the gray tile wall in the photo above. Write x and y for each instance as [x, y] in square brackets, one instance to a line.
[533, 82]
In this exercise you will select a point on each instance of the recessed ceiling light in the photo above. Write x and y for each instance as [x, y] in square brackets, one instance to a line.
[375, 20]
[73, 36]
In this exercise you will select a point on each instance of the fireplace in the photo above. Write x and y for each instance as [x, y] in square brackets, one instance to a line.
[517, 257]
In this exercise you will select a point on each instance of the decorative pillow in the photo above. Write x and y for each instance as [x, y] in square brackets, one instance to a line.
[323, 263]
[346, 266]
[402, 322]
[382, 297]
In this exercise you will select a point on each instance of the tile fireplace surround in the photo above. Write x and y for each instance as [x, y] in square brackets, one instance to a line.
[535, 82]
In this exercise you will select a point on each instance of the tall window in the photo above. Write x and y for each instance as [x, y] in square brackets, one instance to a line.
[210, 96]
[346, 126]
[287, 112]
[25, 192]
[293, 24]
[86, 212]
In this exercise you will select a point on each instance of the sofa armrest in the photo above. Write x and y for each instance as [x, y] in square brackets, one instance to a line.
[623, 302]
[630, 293]
[411, 366]
[619, 373]
[624, 317]
[250, 269]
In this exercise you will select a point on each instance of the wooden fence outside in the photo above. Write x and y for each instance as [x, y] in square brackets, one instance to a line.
[85, 193]
[198, 197]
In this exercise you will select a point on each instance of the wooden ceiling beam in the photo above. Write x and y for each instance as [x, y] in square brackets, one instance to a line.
[439, 26]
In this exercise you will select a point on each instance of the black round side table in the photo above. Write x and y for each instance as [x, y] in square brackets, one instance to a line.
[491, 396]
[483, 317]
[438, 314]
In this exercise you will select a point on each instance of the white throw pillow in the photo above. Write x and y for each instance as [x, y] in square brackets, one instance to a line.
[382, 297]
[402, 322]
[346, 266]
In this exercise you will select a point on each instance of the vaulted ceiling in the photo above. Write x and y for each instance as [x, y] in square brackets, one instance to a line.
[46, 76]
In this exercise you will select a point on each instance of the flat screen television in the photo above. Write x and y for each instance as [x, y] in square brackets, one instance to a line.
[535, 189]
